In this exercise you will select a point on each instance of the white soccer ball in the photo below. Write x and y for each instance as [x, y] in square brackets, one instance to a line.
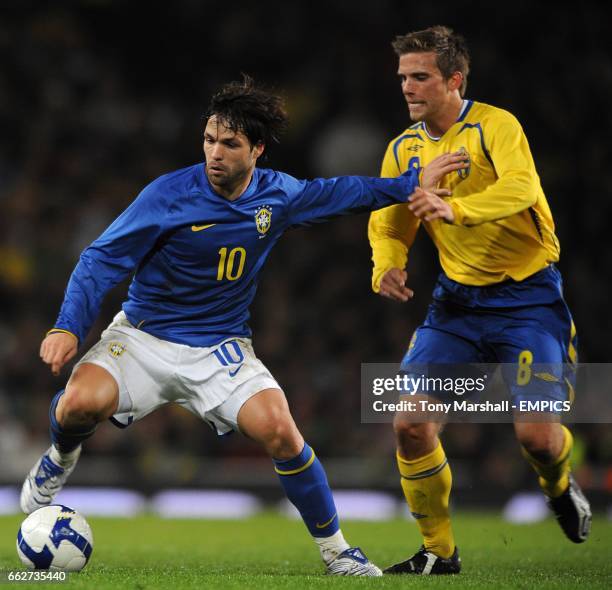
[55, 538]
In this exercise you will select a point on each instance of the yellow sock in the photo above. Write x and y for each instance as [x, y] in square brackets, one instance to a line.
[554, 477]
[427, 482]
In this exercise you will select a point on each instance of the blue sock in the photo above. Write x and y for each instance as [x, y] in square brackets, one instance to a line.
[66, 440]
[305, 483]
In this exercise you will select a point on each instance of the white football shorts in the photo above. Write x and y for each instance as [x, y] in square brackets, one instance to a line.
[211, 382]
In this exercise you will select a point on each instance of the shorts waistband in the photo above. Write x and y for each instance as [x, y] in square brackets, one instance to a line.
[541, 288]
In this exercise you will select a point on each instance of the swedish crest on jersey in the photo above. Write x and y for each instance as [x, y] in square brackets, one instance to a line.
[464, 172]
[116, 349]
[263, 219]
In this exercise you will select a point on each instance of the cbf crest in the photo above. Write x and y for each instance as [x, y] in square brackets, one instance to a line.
[116, 349]
[263, 219]
[464, 172]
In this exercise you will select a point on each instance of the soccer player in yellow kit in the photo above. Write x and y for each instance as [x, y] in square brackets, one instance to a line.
[499, 297]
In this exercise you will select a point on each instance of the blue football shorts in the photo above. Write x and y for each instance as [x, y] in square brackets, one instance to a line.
[525, 325]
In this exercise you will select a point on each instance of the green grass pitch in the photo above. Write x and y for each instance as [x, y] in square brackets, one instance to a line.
[272, 552]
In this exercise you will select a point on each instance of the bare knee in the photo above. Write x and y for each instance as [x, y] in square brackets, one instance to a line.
[415, 439]
[91, 396]
[543, 441]
[266, 419]
[282, 439]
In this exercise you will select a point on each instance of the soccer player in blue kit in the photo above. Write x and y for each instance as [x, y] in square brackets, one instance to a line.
[197, 239]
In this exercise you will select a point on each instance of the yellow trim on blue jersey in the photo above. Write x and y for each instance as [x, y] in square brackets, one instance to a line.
[571, 349]
[299, 469]
[60, 331]
[572, 354]
[571, 391]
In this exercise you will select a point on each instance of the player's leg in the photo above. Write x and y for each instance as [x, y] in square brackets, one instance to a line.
[426, 480]
[256, 406]
[547, 446]
[265, 418]
[542, 345]
[127, 373]
[425, 474]
[91, 396]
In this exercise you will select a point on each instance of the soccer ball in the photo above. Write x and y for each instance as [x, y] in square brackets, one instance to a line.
[55, 538]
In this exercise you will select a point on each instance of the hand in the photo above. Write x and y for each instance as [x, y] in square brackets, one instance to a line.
[57, 349]
[429, 206]
[393, 286]
[441, 166]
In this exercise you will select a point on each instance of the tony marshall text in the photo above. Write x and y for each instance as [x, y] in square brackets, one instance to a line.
[441, 407]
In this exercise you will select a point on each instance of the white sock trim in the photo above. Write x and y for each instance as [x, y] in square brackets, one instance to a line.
[63, 459]
[331, 547]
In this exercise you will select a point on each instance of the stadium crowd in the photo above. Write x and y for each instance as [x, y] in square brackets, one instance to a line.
[94, 104]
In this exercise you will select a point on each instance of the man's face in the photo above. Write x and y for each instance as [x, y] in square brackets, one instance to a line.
[423, 86]
[229, 155]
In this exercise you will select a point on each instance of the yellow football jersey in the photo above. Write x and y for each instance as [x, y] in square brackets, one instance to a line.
[503, 226]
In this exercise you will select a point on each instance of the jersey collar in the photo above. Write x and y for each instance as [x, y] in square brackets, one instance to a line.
[466, 105]
[209, 189]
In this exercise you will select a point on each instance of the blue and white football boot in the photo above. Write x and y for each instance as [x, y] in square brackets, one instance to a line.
[47, 478]
[352, 562]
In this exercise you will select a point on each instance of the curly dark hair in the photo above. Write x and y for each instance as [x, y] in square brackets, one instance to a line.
[451, 50]
[250, 109]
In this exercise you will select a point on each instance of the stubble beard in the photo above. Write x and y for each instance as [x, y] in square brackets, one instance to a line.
[225, 181]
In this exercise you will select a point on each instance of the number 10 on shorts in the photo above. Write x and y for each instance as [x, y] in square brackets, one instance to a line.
[229, 353]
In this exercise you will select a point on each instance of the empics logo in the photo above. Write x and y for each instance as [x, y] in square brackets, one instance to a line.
[263, 219]
[116, 349]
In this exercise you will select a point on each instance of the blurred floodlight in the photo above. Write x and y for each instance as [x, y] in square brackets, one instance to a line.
[355, 505]
[205, 504]
[9, 500]
[526, 507]
[102, 501]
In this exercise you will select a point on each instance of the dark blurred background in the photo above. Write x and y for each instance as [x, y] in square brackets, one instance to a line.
[97, 98]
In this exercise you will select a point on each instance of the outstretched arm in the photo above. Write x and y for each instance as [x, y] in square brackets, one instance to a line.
[321, 199]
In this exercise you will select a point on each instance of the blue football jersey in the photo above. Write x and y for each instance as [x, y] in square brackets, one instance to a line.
[197, 256]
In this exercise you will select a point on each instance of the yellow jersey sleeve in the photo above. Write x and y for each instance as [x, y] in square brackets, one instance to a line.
[517, 186]
[391, 230]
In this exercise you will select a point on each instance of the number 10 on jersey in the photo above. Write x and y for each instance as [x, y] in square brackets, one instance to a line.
[231, 265]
